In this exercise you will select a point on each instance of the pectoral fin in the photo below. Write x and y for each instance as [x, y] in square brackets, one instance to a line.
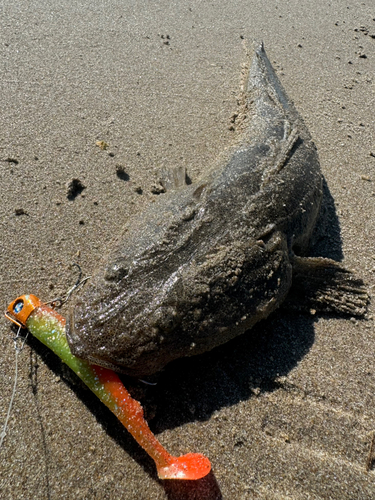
[324, 285]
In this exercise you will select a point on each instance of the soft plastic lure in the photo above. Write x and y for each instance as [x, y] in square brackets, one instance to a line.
[49, 327]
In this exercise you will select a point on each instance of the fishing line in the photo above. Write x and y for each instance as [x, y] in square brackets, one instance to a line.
[58, 302]
[18, 350]
[147, 383]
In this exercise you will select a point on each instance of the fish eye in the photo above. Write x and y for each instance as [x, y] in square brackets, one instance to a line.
[18, 306]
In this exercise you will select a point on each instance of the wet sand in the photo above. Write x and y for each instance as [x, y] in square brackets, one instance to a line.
[284, 413]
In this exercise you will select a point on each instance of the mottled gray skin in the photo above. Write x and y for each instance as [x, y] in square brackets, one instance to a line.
[205, 262]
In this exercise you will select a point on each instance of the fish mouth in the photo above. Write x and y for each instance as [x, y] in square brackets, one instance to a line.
[79, 338]
[76, 345]
[71, 334]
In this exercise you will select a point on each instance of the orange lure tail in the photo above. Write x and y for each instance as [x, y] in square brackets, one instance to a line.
[130, 413]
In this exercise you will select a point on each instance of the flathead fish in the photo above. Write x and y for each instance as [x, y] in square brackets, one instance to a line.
[208, 260]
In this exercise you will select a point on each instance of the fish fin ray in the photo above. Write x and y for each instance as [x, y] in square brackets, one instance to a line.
[173, 178]
[324, 285]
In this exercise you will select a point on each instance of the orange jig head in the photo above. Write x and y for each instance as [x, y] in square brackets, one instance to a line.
[20, 309]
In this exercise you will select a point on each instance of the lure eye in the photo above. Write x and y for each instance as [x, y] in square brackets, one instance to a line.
[18, 306]
[20, 309]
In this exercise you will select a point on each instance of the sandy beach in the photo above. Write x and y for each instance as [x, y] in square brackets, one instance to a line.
[287, 412]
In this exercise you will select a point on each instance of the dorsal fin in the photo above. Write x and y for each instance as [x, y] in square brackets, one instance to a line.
[173, 178]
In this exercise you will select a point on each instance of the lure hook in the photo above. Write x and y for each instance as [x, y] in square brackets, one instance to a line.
[59, 301]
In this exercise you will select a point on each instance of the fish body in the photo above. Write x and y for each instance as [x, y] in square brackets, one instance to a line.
[208, 260]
